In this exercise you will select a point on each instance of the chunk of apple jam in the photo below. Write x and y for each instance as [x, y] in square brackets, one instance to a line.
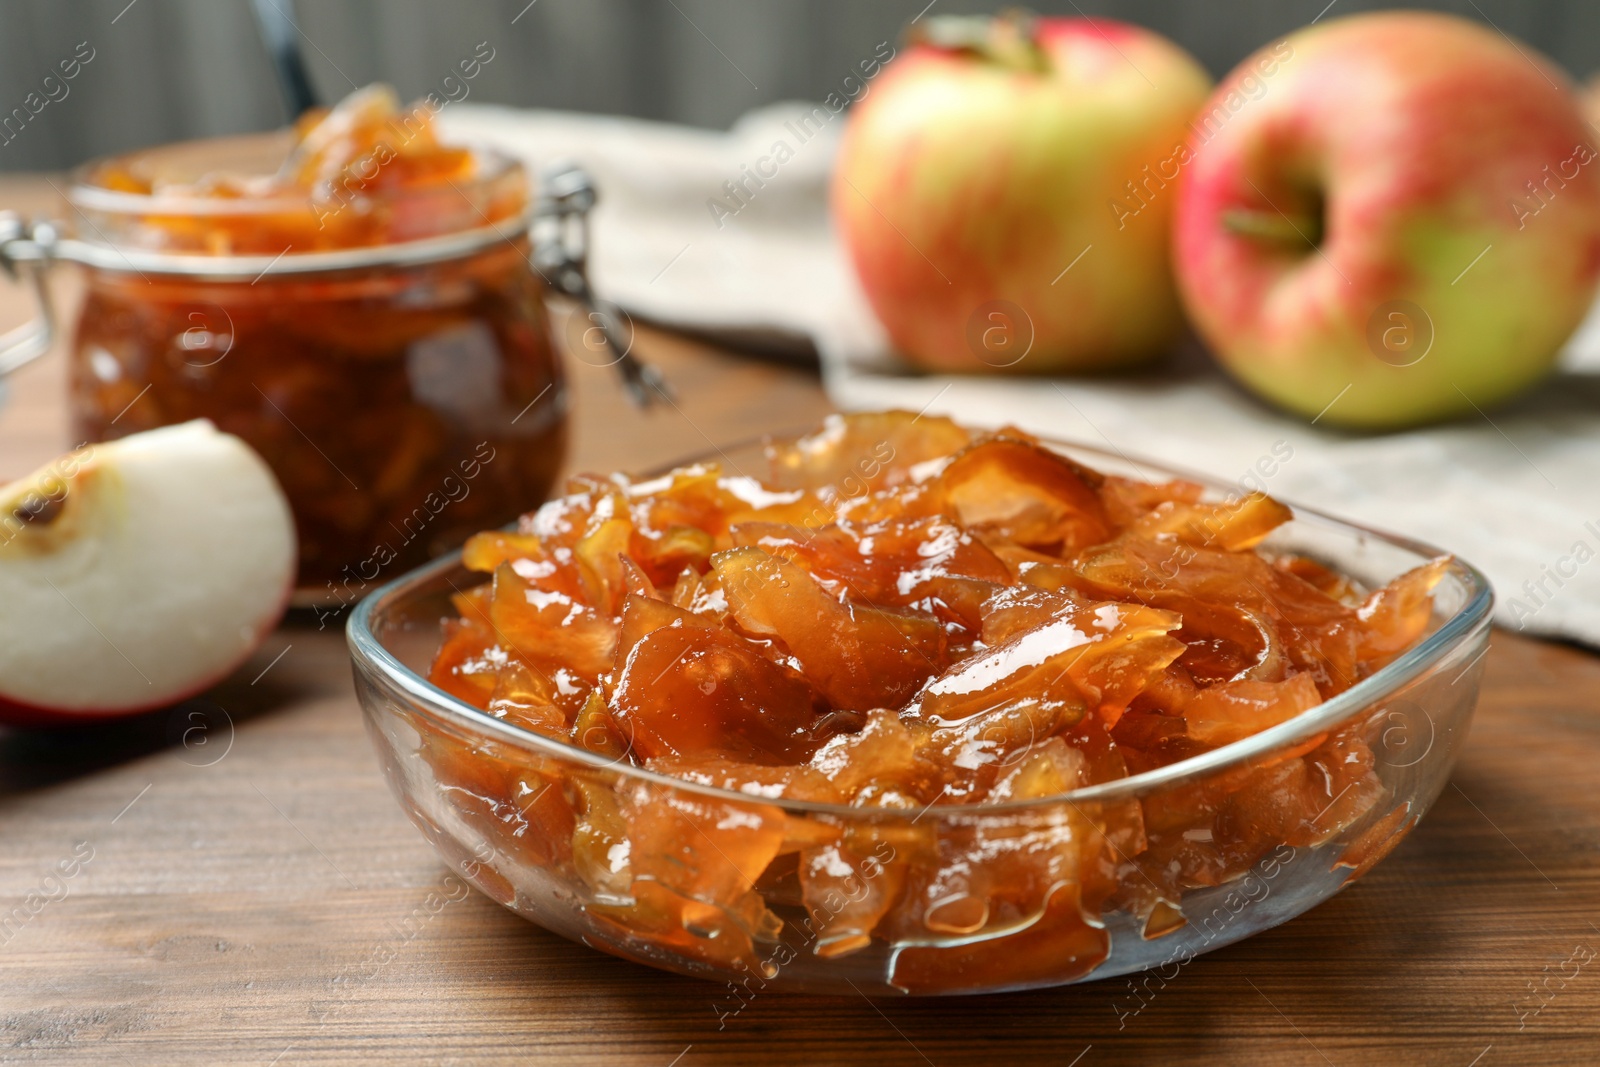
[902, 615]
[855, 655]
[695, 690]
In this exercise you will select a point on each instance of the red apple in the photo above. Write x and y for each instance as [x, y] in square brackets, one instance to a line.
[1401, 223]
[1005, 191]
[135, 574]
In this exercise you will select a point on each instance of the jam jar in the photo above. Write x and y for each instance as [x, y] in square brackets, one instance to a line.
[354, 299]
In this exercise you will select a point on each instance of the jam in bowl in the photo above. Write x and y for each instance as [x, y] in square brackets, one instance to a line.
[902, 708]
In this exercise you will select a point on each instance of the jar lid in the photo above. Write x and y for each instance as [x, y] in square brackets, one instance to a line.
[111, 257]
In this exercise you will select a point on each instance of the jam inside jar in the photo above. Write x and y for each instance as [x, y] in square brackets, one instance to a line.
[404, 401]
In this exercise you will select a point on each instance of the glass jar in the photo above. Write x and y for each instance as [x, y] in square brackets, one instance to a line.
[390, 357]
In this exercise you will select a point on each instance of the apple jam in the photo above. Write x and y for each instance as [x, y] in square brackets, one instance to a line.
[401, 403]
[899, 616]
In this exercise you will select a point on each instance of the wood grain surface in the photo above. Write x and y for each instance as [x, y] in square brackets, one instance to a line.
[246, 891]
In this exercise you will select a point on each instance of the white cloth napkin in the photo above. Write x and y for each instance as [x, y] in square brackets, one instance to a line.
[1517, 492]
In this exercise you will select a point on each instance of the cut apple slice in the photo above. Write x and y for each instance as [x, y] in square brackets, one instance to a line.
[136, 573]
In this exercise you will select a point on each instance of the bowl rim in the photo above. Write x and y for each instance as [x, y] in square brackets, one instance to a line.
[367, 652]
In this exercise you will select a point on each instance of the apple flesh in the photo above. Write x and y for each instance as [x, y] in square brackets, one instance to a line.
[1402, 223]
[1005, 193]
[137, 573]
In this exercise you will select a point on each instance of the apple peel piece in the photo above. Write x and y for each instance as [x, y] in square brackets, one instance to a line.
[153, 567]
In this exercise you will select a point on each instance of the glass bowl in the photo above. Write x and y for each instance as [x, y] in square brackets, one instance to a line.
[561, 835]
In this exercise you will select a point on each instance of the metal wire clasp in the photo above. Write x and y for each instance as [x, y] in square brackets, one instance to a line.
[25, 254]
[561, 255]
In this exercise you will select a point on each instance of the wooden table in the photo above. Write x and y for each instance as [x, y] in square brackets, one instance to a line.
[233, 881]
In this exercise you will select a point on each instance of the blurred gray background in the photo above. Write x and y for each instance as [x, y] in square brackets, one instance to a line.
[166, 70]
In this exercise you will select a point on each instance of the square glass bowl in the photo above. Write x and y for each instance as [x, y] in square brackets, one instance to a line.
[706, 882]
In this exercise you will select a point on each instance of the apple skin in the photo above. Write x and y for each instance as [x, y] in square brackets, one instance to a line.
[1420, 133]
[963, 180]
[173, 548]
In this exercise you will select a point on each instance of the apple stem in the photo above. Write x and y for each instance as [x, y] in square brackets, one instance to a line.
[1007, 39]
[1274, 226]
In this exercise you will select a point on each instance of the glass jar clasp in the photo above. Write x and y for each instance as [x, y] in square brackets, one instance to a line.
[25, 253]
[561, 254]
